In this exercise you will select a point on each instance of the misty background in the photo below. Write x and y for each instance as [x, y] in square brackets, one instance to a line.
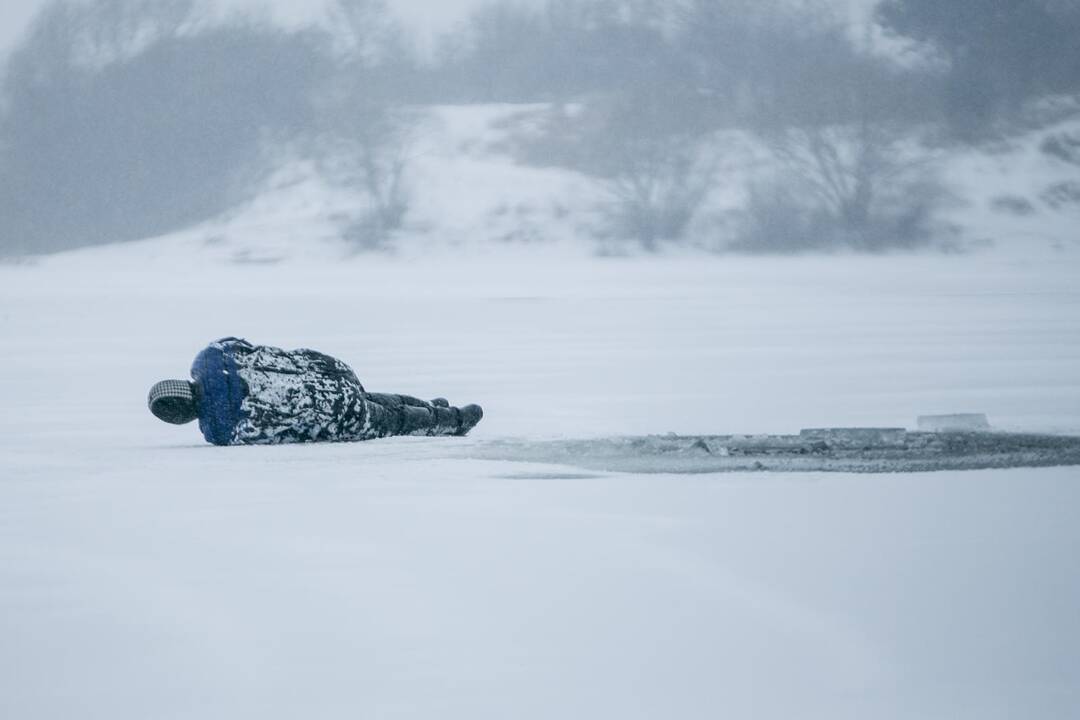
[720, 125]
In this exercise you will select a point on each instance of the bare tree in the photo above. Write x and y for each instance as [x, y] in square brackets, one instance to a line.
[369, 151]
[366, 134]
[857, 186]
[843, 167]
[650, 160]
[657, 187]
[847, 174]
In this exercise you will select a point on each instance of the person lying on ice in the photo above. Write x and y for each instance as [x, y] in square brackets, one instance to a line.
[244, 394]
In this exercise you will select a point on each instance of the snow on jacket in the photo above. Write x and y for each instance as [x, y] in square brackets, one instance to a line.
[257, 394]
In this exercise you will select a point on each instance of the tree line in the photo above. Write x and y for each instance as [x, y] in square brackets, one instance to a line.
[121, 119]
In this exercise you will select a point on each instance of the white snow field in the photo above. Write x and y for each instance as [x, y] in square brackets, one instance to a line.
[145, 574]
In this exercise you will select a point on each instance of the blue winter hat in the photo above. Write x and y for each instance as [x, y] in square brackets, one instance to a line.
[173, 401]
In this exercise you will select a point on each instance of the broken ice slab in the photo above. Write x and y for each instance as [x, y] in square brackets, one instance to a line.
[856, 437]
[962, 422]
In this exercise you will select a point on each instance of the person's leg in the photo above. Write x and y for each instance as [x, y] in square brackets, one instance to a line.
[391, 414]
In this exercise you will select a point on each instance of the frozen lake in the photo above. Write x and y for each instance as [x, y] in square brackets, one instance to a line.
[146, 574]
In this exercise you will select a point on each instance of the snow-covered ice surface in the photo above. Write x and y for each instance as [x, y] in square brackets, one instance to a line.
[146, 574]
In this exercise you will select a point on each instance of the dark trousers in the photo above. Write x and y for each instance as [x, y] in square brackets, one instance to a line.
[405, 415]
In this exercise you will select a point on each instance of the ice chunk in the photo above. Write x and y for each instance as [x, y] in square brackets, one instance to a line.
[955, 422]
[856, 437]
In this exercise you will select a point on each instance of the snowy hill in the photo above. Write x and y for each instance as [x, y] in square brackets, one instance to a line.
[466, 192]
